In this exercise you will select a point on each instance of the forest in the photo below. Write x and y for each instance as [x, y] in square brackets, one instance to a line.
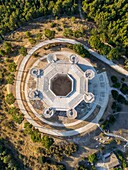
[14, 14]
[110, 36]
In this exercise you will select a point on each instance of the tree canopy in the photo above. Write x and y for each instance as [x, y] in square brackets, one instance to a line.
[111, 24]
[14, 14]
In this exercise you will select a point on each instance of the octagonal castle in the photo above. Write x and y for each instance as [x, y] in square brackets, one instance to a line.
[61, 86]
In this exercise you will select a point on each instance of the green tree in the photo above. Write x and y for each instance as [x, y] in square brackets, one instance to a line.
[10, 78]
[113, 54]
[28, 34]
[39, 36]
[92, 158]
[23, 51]
[10, 99]
[68, 32]
[2, 52]
[7, 47]
[12, 67]
[32, 40]
[115, 94]
[78, 48]
[47, 141]
[49, 33]
[95, 42]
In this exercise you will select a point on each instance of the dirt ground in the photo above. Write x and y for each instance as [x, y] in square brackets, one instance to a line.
[61, 85]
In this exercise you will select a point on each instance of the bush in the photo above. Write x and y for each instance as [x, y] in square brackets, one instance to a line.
[77, 34]
[68, 32]
[95, 42]
[12, 67]
[116, 85]
[2, 52]
[59, 29]
[32, 40]
[47, 141]
[123, 79]
[112, 119]
[18, 117]
[124, 88]
[121, 99]
[114, 106]
[7, 47]
[39, 36]
[27, 128]
[10, 99]
[79, 49]
[23, 51]
[114, 94]
[53, 24]
[113, 54]
[36, 136]
[28, 34]
[114, 79]
[49, 33]
[92, 158]
[10, 78]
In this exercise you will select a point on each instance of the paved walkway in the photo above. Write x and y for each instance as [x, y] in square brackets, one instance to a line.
[80, 11]
[112, 135]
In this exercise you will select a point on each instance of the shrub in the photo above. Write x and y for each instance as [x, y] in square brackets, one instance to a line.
[121, 99]
[18, 117]
[116, 85]
[49, 33]
[47, 141]
[68, 32]
[124, 88]
[27, 128]
[8, 47]
[77, 34]
[73, 19]
[92, 158]
[2, 52]
[114, 79]
[12, 67]
[114, 94]
[79, 49]
[10, 99]
[28, 34]
[114, 106]
[53, 24]
[113, 54]
[32, 40]
[123, 79]
[39, 36]
[112, 119]
[23, 51]
[10, 78]
[36, 136]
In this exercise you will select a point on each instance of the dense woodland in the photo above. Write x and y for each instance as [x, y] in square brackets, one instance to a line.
[14, 14]
[110, 36]
[110, 16]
